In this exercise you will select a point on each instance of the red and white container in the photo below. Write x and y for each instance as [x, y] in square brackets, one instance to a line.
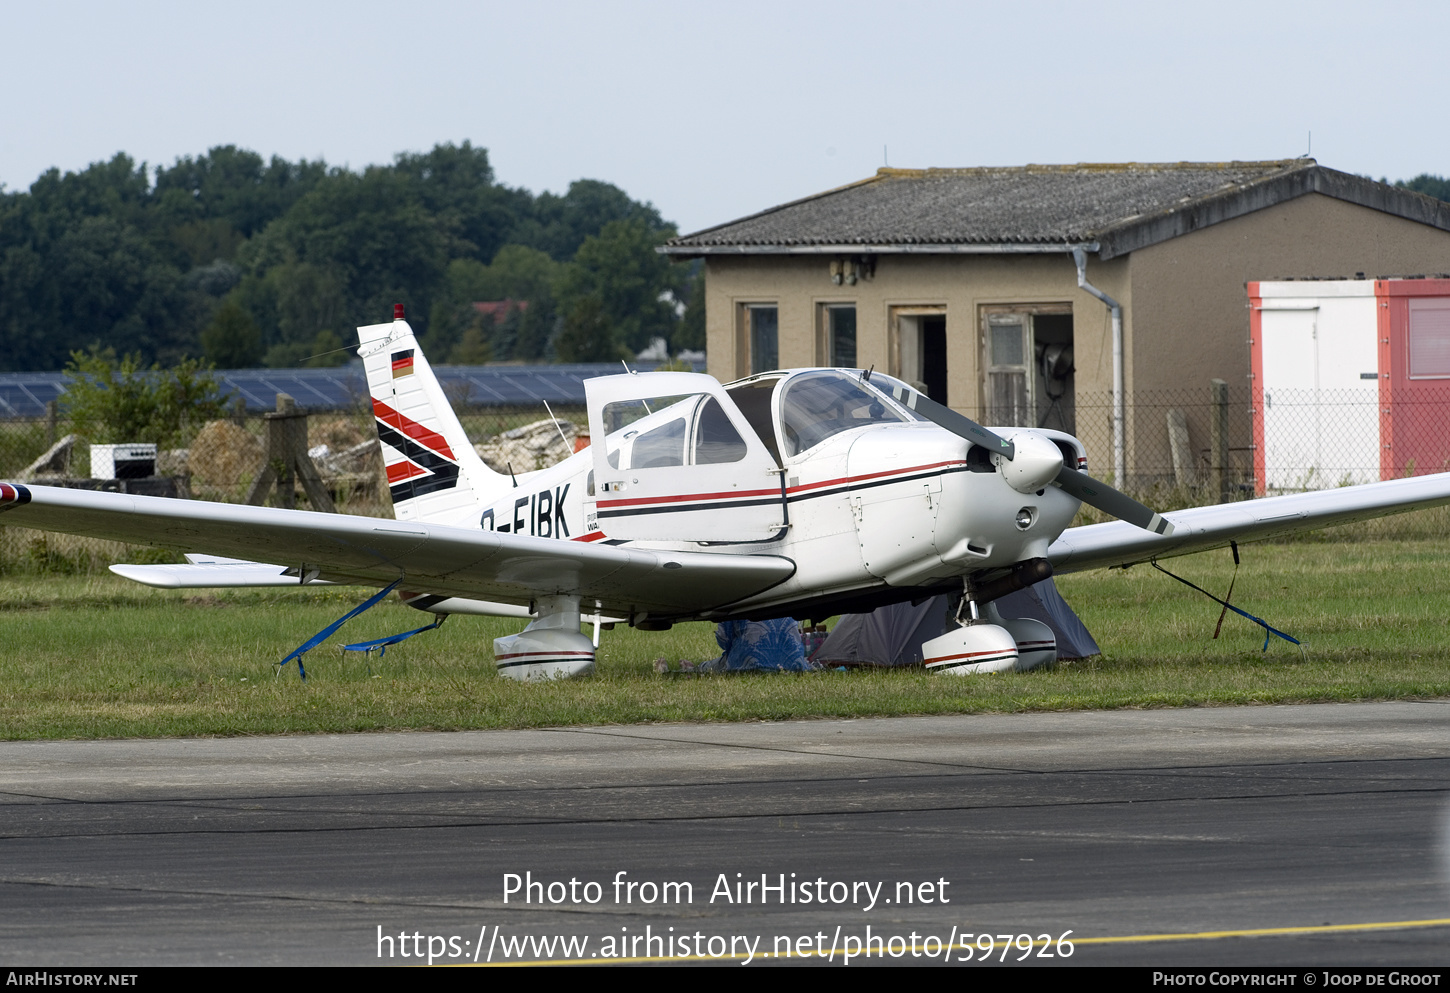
[1351, 381]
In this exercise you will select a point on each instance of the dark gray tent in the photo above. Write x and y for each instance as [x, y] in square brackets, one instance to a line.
[893, 635]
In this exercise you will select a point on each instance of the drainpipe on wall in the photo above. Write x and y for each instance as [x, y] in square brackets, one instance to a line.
[1116, 309]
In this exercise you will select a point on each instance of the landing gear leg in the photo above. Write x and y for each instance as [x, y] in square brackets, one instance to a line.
[968, 612]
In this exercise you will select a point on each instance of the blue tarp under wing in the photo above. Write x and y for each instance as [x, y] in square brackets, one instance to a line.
[760, 646]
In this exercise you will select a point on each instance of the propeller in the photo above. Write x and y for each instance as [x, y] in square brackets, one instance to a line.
[1111, 501]
[1041, 463]
[957, 424]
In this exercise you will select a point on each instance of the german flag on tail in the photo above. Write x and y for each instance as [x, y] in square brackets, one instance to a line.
[403, 363]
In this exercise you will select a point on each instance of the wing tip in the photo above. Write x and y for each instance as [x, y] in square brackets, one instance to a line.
[13, 495]
[146, 576]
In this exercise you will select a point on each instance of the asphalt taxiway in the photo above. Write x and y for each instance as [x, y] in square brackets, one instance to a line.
[1330, 821]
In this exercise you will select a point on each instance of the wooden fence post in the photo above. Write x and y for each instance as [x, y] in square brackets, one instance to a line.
[286, 456]
[1218, 434]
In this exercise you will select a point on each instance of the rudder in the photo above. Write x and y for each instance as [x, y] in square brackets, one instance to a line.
[433, 472]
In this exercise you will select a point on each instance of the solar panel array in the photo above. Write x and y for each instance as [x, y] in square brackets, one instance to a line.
[25, 394]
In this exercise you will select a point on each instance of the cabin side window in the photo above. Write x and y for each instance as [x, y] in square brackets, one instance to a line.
[716, 440]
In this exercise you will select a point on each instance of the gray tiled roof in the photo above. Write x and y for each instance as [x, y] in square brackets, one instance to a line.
[1119, 206]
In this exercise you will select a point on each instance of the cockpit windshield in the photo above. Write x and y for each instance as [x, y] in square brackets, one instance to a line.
[817, 405]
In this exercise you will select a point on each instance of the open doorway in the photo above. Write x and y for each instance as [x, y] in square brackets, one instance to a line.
[921, 350]
[1027, 363]
[1054, 373]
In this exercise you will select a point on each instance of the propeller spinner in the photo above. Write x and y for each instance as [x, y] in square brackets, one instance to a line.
[1041, 463]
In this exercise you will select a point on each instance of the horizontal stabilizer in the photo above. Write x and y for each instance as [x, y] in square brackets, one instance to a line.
[211, 575]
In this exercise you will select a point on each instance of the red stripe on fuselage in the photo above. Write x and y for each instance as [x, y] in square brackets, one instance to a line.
[873, 475]
[741, 494]
[728, 494]
[424, 436]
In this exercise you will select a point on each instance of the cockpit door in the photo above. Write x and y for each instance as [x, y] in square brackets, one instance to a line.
[674, 458]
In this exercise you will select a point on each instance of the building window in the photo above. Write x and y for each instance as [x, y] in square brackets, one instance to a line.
[761, 335]
[837, 341]
[1429, 339]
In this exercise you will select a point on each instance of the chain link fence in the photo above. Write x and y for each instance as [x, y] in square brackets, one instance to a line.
[1183, 448]
[1190, 448]
[221, 460]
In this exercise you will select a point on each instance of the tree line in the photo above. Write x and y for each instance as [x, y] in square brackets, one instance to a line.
[239, 261]
[1435, 186]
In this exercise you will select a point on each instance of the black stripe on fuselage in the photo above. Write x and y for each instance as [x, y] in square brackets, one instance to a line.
[681, 508]
[857, 487]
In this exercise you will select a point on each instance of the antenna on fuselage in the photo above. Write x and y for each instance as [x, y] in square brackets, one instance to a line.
[634, 373]
[559, 427]
[511, 474]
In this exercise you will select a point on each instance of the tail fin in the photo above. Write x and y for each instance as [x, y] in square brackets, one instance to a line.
[433, 472]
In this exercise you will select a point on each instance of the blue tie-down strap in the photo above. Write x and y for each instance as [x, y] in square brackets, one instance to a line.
[328, 631]
[1268, 630]
[381, 644]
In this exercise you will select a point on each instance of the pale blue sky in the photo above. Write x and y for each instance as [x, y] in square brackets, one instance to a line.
[716, 110]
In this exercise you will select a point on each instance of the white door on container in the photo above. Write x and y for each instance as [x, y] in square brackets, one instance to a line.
[1293, 446]
[1348, 385]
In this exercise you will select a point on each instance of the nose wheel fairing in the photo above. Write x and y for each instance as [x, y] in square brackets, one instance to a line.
[991, 644]
[971, 649]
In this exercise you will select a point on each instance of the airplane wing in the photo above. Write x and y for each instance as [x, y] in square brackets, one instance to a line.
[1198, 529]
[435, 559]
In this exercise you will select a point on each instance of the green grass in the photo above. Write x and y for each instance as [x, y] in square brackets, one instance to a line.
[95, 656]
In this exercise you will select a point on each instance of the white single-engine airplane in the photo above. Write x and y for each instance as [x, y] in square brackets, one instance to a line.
[800, 493]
